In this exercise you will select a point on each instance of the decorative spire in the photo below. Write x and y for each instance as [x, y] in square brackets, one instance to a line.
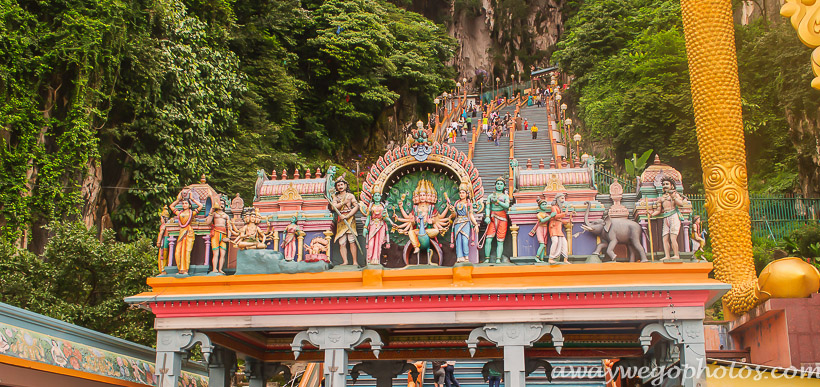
[657, 160]
[296, 173]
[273, 174]
[284, 174]
[307, 173]
[529, 164]
[318, 173]
[202, 179]
[541, 164]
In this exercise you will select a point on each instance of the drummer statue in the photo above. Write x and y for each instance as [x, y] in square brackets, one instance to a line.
[346, 206]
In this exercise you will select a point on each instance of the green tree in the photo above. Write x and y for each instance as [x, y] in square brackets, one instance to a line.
[82, 280]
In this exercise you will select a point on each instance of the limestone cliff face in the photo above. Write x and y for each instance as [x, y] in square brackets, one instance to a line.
[504, 37]
[497, 37]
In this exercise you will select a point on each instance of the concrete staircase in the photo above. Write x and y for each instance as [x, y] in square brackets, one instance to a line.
[571, 372]
[492, 161]
[463, 146]
[526, 147]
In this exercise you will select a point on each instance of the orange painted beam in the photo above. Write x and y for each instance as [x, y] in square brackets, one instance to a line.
[498, 277]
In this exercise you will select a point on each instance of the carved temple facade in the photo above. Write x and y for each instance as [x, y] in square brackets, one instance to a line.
[518, 312]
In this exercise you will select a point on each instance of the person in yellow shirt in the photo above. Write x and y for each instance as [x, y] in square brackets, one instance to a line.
[534, 131]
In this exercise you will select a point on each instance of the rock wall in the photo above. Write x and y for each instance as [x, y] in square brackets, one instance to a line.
[500, 37]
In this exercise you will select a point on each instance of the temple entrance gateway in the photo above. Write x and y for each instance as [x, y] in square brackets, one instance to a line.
[515, 310]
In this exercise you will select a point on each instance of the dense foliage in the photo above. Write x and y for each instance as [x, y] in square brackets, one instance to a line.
[109, 107]
[632, 91]
[82, 280]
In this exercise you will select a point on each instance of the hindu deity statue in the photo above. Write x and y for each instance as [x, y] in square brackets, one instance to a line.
[464, 223]
[558, 240]
[317, 250]
[346, 206]
[424, 222]
[218, 220]
[495, 216]
[162, 241]
[289, 238]
[668, 209]
[698, 239]
[250, 236]
[541, 228]
[185, 240]
[375, 229]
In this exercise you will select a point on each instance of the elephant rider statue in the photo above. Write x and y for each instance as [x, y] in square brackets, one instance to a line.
[613, 231]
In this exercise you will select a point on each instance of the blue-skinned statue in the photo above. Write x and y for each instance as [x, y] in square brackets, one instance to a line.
[495, 215]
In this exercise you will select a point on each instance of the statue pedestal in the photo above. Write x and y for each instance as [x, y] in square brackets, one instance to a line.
[263, 261]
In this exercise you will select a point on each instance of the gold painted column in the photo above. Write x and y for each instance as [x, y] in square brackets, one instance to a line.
[514, 231]
[300, 242]
[329, 238]
[710, 49]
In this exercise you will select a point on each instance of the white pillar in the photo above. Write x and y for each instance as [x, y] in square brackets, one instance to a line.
[336, 341]
[514, 337]
[688, 336]
[171, 346]
[221, 367]
[514, 375]
[693, 354]
[335, 368]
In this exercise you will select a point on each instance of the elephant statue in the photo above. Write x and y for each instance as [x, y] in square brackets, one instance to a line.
[614, 231]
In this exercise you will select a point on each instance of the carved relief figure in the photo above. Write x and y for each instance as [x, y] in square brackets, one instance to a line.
[220, 234]
[375, 229]
[185, 241]
[496, 217]
[346, 206]
[250, 236]
[317, 251]
[668, 208]
[698, 240]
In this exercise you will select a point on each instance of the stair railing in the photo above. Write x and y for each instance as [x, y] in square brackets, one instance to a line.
[447, 116]
[553, 141]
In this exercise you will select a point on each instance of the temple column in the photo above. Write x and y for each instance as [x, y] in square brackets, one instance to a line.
[300, 243]
[513, 338]
[514, 231]
[688, 336]
[172, 345]
[172, 242]
[335, 342]
[221, 367]
[207, 239]
[329, 238]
